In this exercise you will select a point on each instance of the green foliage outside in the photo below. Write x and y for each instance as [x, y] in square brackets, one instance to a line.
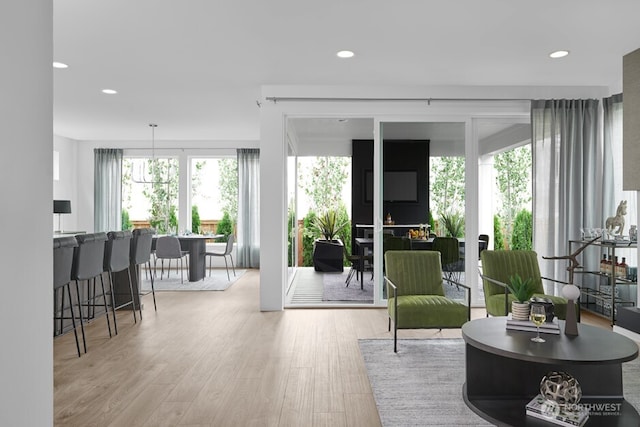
[291, 218]
[328, 225]
[522, 237]
[432, 222]
[163, 194]
[446, 175]
[225, 226]
[323, 182]
[126, 222]
[345, 235]
[228, 186]
[513, 178]
[195, 220]
[497, 233]
[308, 236]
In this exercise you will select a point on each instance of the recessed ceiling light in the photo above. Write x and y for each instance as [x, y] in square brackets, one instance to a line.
[109, 91]
[559, 54]
[60, 65]
[345, 54]
[343, 120]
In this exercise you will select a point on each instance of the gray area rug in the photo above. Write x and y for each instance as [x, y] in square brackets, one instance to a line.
[421, 385]
[217, 282]
[335, 289]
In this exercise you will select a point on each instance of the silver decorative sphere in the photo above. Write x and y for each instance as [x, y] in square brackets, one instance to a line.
[561, 388]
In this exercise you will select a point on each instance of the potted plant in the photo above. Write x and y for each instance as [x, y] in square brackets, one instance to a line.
[522, 291]
[328, 251]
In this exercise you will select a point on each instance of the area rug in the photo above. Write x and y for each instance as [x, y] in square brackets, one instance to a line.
[217, 282]
[421, 385]
[335, 289]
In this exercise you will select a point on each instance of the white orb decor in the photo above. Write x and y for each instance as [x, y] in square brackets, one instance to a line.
[571, 292]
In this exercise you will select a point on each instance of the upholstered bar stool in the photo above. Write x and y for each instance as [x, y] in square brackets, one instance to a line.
[116, 258]
[87, 266]
[63, 248]
[141, 254]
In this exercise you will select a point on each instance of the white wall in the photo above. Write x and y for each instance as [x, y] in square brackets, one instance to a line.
[66, 187]
[26, 168]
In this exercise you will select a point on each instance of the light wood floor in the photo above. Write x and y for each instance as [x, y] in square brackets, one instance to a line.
[213, 359]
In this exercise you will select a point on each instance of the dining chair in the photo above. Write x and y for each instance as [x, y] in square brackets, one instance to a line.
[168, 247]
[227, 253]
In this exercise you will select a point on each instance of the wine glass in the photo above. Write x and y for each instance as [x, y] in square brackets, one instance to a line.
[538, 316]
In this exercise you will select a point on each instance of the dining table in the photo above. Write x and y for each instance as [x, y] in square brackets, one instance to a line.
[196, 245]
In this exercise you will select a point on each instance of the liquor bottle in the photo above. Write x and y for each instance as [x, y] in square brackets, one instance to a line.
[608, 270]
[624, 268]
[603, 264]
[616, 268]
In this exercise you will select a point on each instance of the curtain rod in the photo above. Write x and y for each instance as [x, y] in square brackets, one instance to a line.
[275, 99]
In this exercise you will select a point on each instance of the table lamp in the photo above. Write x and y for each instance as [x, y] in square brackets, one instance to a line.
[61, 207]
[571, 293]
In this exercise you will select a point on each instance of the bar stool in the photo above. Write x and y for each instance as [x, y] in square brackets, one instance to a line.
[88, 261]
[141, 254]
[116, 259]
[63, 249]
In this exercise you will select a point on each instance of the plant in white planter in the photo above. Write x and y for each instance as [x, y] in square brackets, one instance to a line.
[328, 251]
[522, 291]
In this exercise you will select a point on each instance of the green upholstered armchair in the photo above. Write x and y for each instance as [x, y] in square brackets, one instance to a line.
[416, 294]
[499, 266]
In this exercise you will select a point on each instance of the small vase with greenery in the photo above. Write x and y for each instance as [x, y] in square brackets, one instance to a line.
[522, 291]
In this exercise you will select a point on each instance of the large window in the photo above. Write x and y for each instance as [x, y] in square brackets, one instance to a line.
[150, 193]
[152, 197]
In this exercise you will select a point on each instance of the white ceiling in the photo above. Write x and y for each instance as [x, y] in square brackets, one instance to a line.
[195, 67]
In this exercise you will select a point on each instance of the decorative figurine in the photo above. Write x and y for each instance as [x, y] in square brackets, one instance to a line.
[618, 220]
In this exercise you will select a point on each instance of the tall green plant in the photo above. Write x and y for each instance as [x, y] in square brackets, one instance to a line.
[126, 222]
[498, 239]
[225, 226]
[308, 237]
[522, 237]
[323, 181]
[345, 235]
[195, 219]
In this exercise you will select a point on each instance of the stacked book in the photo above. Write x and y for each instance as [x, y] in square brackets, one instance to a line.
[527, 325]
[539, 407]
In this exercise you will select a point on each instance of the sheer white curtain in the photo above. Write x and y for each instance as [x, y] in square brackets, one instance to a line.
[248, 207]
[107, 189]
[567, 177]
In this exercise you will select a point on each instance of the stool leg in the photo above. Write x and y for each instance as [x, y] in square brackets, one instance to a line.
[153, 292]
[84, 341]
[106, 307]
[73, 317]
[113, 302]
[133, 301]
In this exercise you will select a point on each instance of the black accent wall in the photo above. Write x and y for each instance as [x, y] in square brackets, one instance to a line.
[399, 155]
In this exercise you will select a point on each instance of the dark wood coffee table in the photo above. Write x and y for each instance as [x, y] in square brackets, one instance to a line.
[504, 369]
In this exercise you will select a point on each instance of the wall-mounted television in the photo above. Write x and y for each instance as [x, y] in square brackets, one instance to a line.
[398, 186]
